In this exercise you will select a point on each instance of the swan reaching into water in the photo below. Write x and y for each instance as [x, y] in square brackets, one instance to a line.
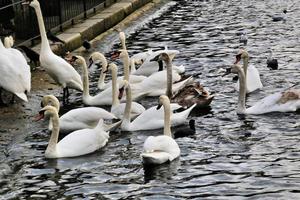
[287, 101]
[79, 118]
[57, 68]
[77, 143]
[163, 148]
[15, 72]
[150, 118]
[251, 73]
[190, 94]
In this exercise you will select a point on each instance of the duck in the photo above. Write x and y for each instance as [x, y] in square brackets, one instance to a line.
[79, 118]
[58, 69]
[244, 38]
[77, 143]
[15, 72]
[33, 56]
[185, 131]
[272, 63]
[285, 101]
[118, 108]
[281, 17]
[163, 148]
[190, 94]
[151, 118]
[87, 45]
[252, 74]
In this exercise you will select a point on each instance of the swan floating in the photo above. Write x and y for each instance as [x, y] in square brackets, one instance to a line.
[79, 118]
[151, 118]
[252, 74]
[57, 68]
[163, 148]
[287, 101]
[77, 143]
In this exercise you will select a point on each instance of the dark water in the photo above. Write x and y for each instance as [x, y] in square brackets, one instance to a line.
[230, 157]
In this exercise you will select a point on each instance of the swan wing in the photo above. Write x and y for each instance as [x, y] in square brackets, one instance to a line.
[136, 109]
[272, 103]
[82, 142]
[253, 79]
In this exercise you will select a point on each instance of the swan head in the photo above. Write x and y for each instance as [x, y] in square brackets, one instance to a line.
[162, 99]
[50, 100]
[124, 84]
[98, 57]
[113, 67]
[78, 60]
[47, 111]
[32, 3]
[242, 54]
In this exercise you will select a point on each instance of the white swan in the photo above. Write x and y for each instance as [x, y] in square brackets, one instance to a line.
[8, 42]
[118, 108]
[150, 118]
[77, 143]
[95, 58]
[102, 98]
[58, 69]
[287, 101]
[148, 67]
[79, 118]
[163, 148]
[15, 72]
[252, 74]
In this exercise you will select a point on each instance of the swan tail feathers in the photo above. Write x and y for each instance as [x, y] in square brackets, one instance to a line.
[155, 157]
[22, 96]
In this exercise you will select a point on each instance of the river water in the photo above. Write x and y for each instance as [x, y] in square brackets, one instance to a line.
[229, 157]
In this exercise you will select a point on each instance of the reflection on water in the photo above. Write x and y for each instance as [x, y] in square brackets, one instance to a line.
[230, 156]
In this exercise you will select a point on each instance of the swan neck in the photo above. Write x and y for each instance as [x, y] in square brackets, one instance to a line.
[245, 65]
[55, 132]
[167, 118]
[115, 100]
[169, 79]
[242, 93]
[45, 44]
[127, 111]
[85, 77]
[126, 65]
[102, 74]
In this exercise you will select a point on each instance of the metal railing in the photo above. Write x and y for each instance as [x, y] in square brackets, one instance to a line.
[20, 21]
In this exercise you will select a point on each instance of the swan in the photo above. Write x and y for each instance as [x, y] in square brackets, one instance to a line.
[8, 41]
[163, 148]
[148, 67]
[272, 63]
[58, 69]
[118, 108]
[15, 72]
[77, 143]
[252, 74]
[188, 95]
[79, 118]
[95, 58]
[150, 118]
[286, 101]
[102, 98]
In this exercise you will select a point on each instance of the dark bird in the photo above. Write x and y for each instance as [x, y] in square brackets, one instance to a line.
[272, 63]
[33, 56]
[53, 38]
[243, 38]
[281, 17]
[86, 44]
[185, 131]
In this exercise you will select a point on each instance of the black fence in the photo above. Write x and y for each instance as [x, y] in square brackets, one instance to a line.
[20, 21]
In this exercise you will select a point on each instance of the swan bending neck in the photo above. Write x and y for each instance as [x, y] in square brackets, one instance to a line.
[51, 148]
